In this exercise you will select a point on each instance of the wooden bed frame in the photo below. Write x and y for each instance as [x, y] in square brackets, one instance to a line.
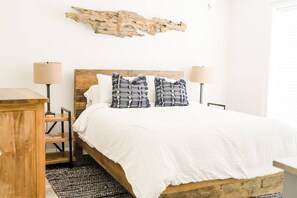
[233, 188]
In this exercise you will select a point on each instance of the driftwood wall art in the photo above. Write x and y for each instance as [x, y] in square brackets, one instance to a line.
[123, 23]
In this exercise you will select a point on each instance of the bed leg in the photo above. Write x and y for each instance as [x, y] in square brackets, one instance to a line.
[78, 150]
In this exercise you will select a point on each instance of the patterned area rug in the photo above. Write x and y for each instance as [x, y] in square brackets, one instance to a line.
[87, 179]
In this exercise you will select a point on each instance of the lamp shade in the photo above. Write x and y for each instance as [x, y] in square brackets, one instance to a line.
[47, 73]
[202, 74]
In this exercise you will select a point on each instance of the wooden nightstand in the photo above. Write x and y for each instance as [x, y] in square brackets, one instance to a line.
[58, 139]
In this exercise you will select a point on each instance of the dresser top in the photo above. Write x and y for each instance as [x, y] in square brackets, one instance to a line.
[14, 95]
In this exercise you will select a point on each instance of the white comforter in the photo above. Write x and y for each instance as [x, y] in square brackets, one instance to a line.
[160, 146]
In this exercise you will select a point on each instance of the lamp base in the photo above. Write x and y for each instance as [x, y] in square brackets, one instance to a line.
[48, 113]
[201, 93]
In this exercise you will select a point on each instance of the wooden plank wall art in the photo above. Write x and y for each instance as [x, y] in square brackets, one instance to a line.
[123, 23]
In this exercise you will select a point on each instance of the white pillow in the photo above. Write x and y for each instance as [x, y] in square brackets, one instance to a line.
[151, 94]
[105, 90]
[92, 95]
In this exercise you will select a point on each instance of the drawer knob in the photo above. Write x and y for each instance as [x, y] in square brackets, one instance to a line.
[0, 152]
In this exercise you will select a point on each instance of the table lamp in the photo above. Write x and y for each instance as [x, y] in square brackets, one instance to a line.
[201, 75]
[48, 73]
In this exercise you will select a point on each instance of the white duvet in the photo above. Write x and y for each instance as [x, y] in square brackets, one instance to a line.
[163, 146]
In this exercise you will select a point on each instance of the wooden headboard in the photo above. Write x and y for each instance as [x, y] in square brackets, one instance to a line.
[84, 78]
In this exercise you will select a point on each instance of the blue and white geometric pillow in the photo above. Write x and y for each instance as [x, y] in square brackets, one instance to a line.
[129, 93]
[170, 93]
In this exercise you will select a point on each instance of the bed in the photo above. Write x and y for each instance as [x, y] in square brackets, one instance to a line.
[255, 186]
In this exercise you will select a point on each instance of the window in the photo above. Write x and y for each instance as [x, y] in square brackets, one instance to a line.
[282, 84]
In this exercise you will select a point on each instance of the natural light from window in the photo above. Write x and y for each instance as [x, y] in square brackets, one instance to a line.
[282, 84]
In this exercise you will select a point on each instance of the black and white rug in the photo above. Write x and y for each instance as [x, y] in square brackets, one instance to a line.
[89, 180]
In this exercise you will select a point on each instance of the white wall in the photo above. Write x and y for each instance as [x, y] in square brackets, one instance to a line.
[37, 30]
[249, 55]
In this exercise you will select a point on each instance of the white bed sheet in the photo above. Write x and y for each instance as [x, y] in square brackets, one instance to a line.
[163, 146]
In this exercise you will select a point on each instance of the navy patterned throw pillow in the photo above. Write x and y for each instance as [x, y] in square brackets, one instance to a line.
[129, 93]
[170, 93]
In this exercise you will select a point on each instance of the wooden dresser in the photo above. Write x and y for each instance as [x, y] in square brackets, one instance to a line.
[22, 150]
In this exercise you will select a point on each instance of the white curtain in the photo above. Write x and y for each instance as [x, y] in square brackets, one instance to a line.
[282, 84]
